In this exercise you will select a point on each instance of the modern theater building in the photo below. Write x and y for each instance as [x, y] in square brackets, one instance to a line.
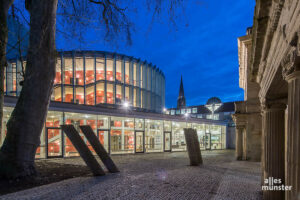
[122, 98]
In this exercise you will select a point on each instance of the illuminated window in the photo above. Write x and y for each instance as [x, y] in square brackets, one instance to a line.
[127, 78]
[100, 93]
[119, 70]
[153, 136]
[194, 110]
[57, 79]
[134, 73]
[127, 94]
[135, 97]
[100, 69]
[89, 70]
[68, 71]
[68, 94]
[109, 70]
[110, 94]
[79, 72]
[119, 95]
[90, 95]
[56, 94]
[79, 95]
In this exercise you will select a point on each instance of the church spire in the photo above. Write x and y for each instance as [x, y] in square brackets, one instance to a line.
[181, 98]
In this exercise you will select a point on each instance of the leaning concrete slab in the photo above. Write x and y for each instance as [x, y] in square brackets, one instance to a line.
[98, 147]
[83, 150]
[193, 146]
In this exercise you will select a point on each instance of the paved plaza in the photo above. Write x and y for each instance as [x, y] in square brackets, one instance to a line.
[159, 176]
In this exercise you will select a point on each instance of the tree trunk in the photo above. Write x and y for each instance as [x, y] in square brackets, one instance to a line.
[26, 122]
[4, 6]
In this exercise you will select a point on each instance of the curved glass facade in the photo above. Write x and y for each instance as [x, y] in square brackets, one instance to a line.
[93, 78]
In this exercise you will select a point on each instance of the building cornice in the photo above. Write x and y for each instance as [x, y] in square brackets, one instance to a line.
[260, 28]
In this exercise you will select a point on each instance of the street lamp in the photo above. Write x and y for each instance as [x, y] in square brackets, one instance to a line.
[125, 105]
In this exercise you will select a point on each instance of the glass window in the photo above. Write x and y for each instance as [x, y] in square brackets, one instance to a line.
[188, 110]
[194, 110]
[14, 78]
[167, 126]
[141, 76]
[200, 128]
[68, 94]
[103, 122]
[178, 139]
[53, 134]
[57, 79]
[172, 112]
[78, 119]
[177, 112]
[79, 95]
[119, 95]
[135, 97]
[139, 124]
[129, 123]
[89, 70]
[134, 73]
[109, 70]
[79, 71]
[90, 95]
[100, 69]
[68, 71]
[100, 93]
[216, 116]
[122, 135]
[182, 111]
[9, 79]
[148, 74]
[154, 136]
[127, 72]
[119, 70]
[142, 99]
[127, 98]
[110, 94]
[216, 136]
[56, 94]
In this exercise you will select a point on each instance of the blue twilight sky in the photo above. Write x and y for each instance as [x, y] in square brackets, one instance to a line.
[203, 47]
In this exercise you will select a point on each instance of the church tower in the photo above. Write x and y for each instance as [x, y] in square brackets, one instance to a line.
[181, 98]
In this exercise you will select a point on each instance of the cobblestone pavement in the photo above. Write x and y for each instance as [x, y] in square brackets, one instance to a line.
[159, 176]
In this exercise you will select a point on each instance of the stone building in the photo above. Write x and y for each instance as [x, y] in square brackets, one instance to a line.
[270, 75]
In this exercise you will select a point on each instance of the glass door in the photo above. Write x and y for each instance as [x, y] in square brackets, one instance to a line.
[207, 141]
[167, 141]
[54, 142]
[103, 136]
[139, 142]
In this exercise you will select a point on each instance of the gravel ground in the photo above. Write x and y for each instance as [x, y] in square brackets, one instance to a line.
[158, 176]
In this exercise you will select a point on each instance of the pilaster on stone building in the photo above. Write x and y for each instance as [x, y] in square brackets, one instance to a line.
[291, 73]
